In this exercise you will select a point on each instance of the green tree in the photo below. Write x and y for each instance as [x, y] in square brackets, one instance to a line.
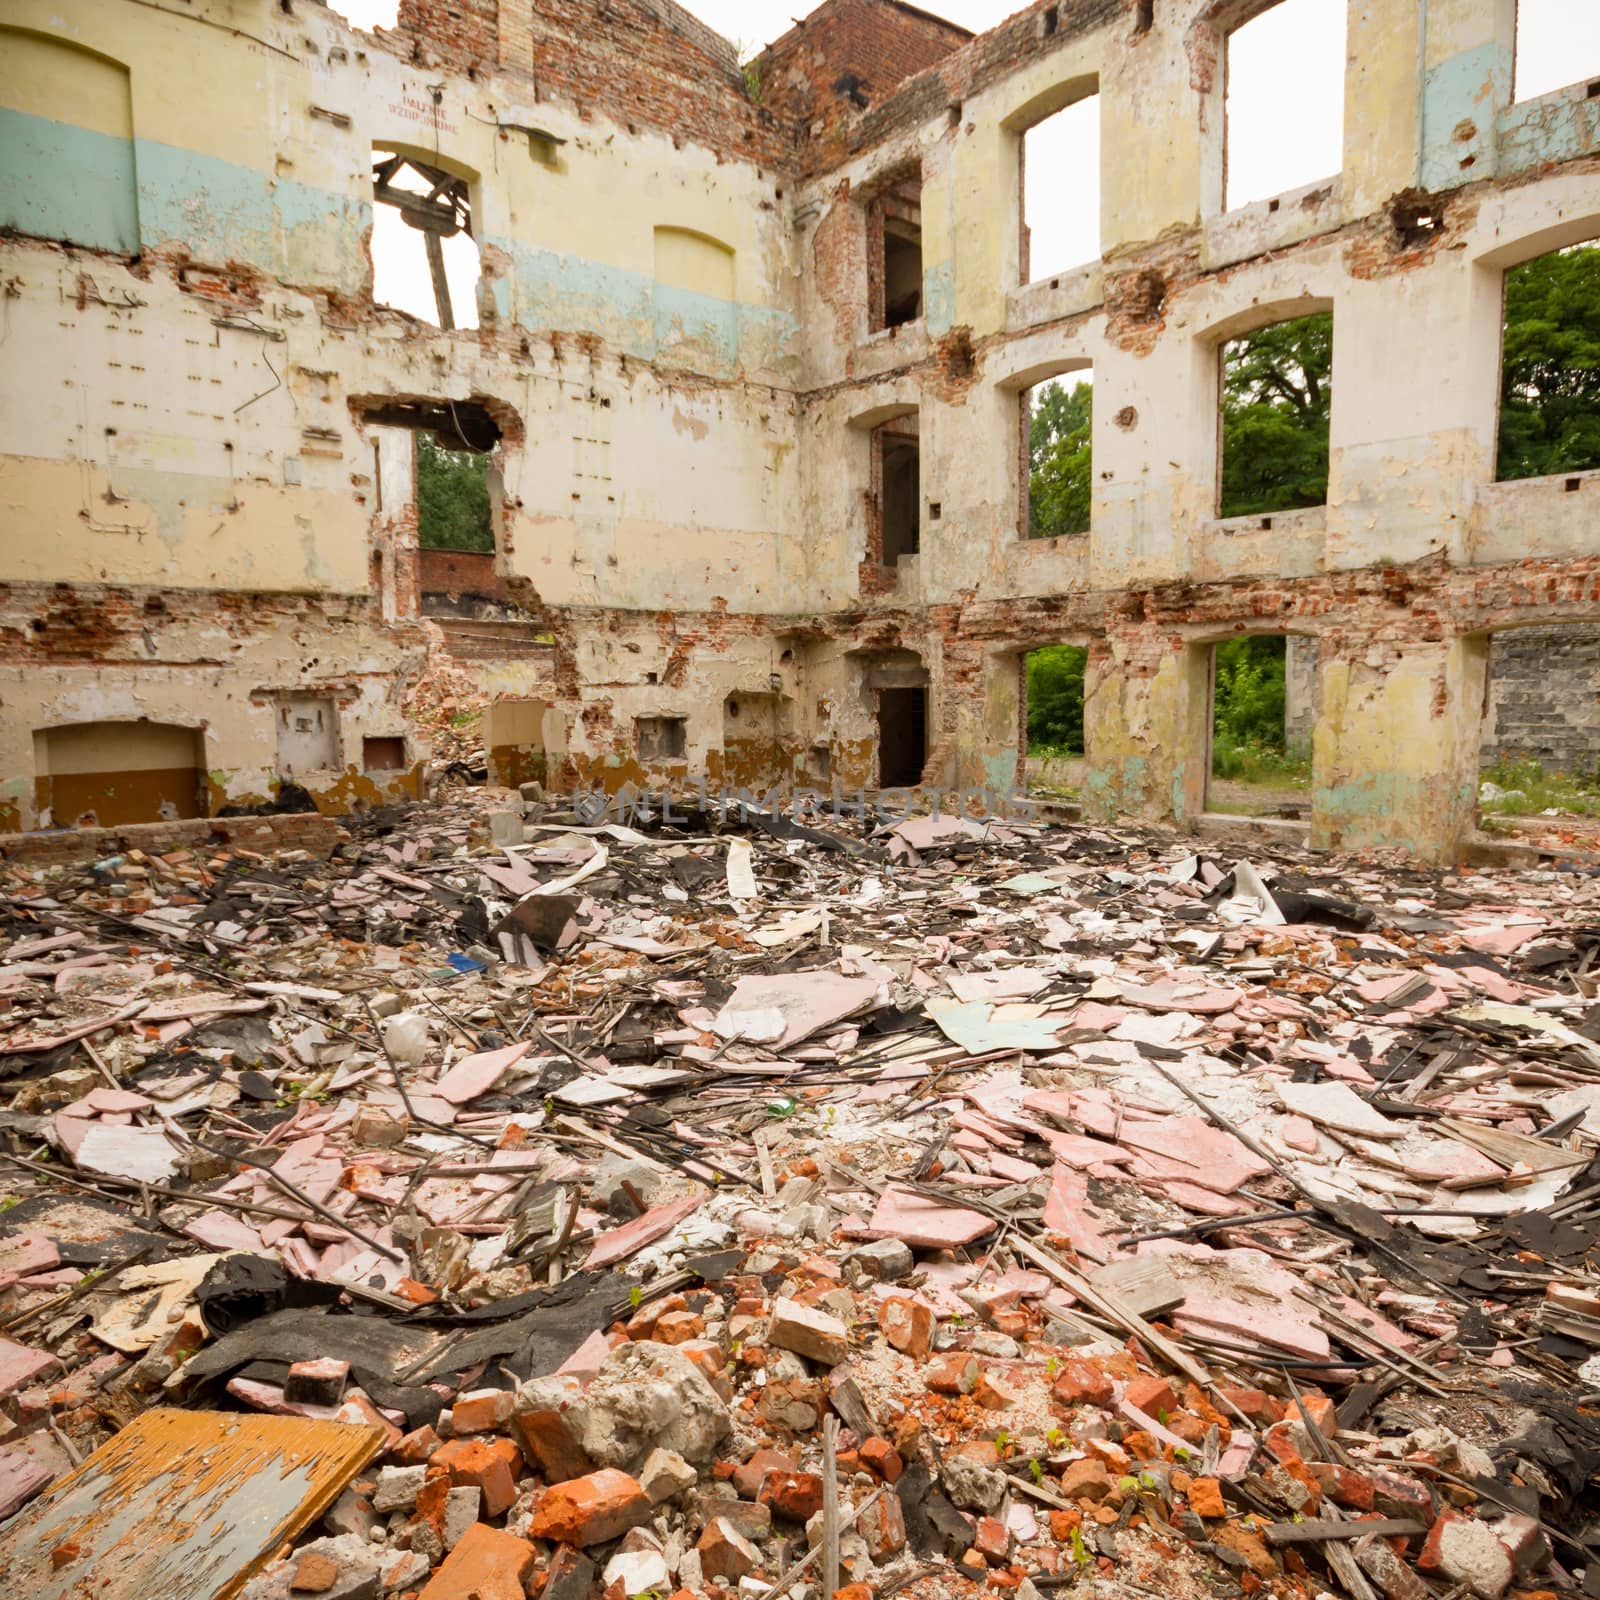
[452, 498]
[1251, 692]
[1059, 460]
[1277, 394]
[1550, 366]
[1055, 698]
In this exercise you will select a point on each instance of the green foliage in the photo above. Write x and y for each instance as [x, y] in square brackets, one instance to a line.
[1529, 789]
[1277, 394]
[1059, 430]
[1055, 698]
[1247, 737]
[1251, 691]
[1550, 366]
[452, 499]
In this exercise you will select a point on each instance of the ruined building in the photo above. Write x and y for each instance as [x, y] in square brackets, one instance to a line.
[750, 365]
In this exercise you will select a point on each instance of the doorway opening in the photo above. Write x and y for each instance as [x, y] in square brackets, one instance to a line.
[1053, 742]
[1540, 746]
[1263, 710]
[902, 737]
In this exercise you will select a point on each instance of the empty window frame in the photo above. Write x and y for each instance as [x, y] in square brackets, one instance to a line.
[1284, 119]
[383, 753]
[424, 258]
[897, 474]
[1276, 402]
[1057, 429]
[1263, 689]
[894, 255]
[1558, 44]
[1549, 370]
[1060, 190]
[661, 738]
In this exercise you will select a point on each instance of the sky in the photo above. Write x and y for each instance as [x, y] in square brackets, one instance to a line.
[1285, 120]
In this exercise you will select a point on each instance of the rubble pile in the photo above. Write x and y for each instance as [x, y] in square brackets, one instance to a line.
[736, 1204]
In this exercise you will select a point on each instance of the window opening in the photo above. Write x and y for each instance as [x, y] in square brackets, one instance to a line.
[1263, 710]
[661, 738]
[424, 258]
[1550, 366]
[1284, 128]
[386, 754]
[1057, 422]
[1553, 37]
[1277, 398]
[895, 237]
[902, 496]
[1061, 191]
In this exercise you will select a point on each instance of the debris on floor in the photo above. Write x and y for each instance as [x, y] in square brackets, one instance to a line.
[516, 1204]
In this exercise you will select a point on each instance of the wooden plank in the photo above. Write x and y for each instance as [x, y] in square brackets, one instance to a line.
[185, 1505]
[1302, 1532]
[1141, 1283]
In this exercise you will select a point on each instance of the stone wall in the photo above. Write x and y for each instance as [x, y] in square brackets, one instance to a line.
[1544, 697]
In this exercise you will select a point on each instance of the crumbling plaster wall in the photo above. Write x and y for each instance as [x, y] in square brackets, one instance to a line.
[674, 333]
[1416, 357]
[187, 421]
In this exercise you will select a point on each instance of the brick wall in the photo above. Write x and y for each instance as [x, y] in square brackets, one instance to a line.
[460, 572]
[1544, 697]
[265, 835]
[643, 63]
[847, 57]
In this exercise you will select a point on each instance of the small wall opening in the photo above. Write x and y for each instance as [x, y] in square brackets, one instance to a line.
[1540, 744]
[1283, 124]
[424, 258]
[1053, 738]
[902, 737]
[894, 255]
[1550, 365]
[1263, 712]
[661, 738]
[112, 774]
[901, 498]
[1057, 430]
[1276, 404]
[1060, 190]
[384, 753]
[1558, 44]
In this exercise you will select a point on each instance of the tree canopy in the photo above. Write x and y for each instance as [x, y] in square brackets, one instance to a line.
[1251, 691]
[1277, 395]
[452, 498]
[1550, 366]
[1058, 459]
